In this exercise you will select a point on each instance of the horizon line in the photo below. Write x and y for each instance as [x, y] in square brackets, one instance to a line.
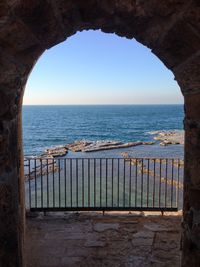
[145, 104]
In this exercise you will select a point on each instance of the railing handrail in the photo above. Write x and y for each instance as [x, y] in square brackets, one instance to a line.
[64, 157]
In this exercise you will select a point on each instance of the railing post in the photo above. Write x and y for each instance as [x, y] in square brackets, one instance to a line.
[29, 183]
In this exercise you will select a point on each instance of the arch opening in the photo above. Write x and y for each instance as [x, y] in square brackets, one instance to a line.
[94, 68]
[98, 123]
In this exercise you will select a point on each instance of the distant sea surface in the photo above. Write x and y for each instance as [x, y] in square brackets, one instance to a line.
[48, 126]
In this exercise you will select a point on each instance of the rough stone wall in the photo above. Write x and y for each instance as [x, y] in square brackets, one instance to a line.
[171, 29]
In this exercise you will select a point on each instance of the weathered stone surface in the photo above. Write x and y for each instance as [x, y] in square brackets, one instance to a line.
[49, 22]
[175, 50]
[191, 217]
[94, 243]
[101, 227]
[144, 234]
[113, 245]
[156, 227]
[188, 75]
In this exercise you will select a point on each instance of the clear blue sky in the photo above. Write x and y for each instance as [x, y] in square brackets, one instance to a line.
[92, 67]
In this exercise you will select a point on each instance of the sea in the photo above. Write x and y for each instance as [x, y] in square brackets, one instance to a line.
[50, 126]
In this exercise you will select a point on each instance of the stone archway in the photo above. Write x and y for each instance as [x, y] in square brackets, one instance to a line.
[170, 28]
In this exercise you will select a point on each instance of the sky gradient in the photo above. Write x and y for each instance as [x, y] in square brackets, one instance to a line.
[92, 67]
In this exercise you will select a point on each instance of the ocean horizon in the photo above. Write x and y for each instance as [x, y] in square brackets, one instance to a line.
[47, 126]
[48, 105]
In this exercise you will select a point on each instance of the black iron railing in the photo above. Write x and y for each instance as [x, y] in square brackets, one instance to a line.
[103, 184]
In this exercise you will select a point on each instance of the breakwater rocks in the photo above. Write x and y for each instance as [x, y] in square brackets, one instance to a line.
[35, 167]
[58, 151]
[46, 163]
[93, 146]
[148, 167]
[90, 146]
[175, 137]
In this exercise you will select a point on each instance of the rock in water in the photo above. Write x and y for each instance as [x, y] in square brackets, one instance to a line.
[56, 152]
[175, 137]
[92, 146]
[39, 166]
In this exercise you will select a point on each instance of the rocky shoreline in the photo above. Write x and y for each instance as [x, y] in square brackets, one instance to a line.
[39, 166]
[84, 146]
[175, 137]
[90, 146]
[46, 162]
[145, 169]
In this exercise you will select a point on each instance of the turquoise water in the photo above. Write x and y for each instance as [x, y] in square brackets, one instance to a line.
[47, 126]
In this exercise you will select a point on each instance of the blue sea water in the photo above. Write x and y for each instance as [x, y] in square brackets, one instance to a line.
[47, 126]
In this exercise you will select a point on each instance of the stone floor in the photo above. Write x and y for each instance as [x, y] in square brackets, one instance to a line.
[91, 239]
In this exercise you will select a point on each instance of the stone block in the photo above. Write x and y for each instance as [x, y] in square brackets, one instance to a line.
[101, 227]
[179, 44]
[188, 77]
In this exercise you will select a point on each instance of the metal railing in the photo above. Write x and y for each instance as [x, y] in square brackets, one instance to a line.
[139, 184]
